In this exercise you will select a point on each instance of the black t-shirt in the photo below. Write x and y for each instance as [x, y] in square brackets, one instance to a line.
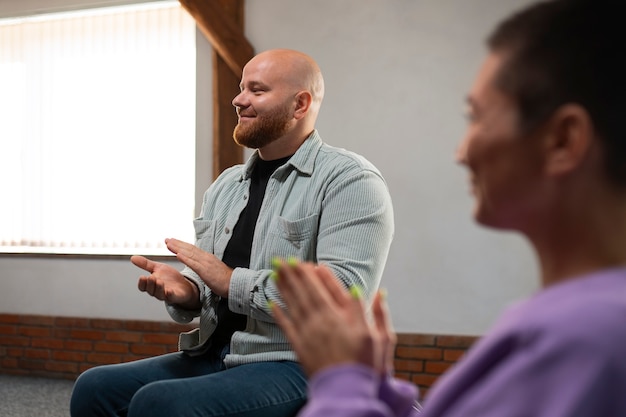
[237, 253]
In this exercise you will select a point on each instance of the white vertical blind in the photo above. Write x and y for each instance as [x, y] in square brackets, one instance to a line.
[97, 130]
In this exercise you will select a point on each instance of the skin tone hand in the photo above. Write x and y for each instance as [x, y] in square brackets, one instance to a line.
[165, 283]
[215, 273]
[327, 325]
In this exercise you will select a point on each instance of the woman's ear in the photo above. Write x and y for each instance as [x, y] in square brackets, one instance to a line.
[569, 136]
[303, 103]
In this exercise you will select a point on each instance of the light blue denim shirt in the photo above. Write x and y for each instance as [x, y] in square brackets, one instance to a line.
[325, 205]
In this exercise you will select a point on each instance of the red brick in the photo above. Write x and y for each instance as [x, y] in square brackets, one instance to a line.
[423, 380]
[7, 329]
[455, 341]
[131, 337]
[403, 375]
[9, 318]
[453, 355]
[87, 334]
[418, 353]
[103, 358]
[68, 356]
[32, 364]
[107, 324]
[72, 322]
[408, 365]
[415, 339]
[14, 351]
[47, 343]
[111, 347]
[82, 367]
[36, 354]
[62, 333]
[6, 363]
[143, 326]
[161, 339]
[35, 331]
[14, 341]
[37, 320]
[62, 367]
[437, 367]
[82, 345]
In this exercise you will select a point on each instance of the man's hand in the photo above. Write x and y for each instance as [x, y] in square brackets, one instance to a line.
[215, 273]
[165, 283]
[327, 325]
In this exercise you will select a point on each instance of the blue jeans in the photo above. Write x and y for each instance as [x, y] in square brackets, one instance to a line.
[180, 385]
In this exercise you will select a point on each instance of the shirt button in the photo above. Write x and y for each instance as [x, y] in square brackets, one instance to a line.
[226, 230]
[245, 197]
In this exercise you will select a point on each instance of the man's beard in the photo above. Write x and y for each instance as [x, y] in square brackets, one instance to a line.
[263, 130]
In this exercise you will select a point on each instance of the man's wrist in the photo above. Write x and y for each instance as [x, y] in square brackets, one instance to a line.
[194, 302]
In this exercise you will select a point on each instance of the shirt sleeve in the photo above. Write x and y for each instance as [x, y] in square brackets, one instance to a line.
[356, 228]
[357, 391]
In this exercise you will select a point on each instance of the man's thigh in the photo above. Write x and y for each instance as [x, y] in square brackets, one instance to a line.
[276, 389]
[108, 389]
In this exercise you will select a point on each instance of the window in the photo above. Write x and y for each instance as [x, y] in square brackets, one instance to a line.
[97, 140]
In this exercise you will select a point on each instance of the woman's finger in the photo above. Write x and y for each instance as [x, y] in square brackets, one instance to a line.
[384, 328]
[301, 289]
[333, 286]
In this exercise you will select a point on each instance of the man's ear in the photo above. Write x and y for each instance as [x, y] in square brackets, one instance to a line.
[568, 140]
[303, 103]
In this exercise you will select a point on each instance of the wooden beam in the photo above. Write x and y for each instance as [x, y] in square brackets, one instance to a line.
[218, 22]
[222, 22]
[226, 152]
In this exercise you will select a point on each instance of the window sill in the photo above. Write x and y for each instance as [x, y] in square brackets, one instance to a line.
[28, 252]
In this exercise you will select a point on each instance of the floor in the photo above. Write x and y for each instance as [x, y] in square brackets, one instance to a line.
[22, 396]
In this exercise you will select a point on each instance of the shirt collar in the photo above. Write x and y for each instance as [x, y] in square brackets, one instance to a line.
[303, 160]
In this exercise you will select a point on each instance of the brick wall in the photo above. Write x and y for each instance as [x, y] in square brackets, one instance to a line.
[63, 347]
[422, 358]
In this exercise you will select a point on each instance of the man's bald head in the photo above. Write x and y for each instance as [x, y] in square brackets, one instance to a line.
[297, 69]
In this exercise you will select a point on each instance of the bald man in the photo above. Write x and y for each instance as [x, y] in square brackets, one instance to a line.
[295, 198]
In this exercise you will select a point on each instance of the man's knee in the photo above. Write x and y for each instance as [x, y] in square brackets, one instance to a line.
[155, 400]
[89, 389]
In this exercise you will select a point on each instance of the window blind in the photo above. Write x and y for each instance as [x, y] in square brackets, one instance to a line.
[97, 131]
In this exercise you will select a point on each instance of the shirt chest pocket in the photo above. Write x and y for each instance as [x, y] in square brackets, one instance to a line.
[294, 237]
[205, 234]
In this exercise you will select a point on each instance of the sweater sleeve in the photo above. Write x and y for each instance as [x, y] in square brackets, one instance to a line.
[357, 391]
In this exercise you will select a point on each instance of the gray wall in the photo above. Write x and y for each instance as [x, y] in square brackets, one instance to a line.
[397, 73]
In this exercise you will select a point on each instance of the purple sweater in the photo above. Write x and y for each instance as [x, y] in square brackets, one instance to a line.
[560, 353]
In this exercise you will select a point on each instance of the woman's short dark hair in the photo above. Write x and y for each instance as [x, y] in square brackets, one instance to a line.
[568, 51]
